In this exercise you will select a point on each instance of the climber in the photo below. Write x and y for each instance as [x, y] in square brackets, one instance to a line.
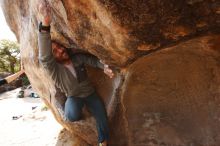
[70, 76]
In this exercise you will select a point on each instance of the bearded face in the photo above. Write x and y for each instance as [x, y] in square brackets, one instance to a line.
[59, 53]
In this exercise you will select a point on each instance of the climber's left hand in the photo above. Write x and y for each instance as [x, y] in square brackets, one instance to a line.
[44, 12]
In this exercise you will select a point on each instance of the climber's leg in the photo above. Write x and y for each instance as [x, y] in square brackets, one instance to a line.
[73, 108]
[97, 108]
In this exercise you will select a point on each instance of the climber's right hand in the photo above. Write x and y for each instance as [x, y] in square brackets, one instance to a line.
[44, 12]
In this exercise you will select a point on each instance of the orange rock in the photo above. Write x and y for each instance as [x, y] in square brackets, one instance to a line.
[166, 91]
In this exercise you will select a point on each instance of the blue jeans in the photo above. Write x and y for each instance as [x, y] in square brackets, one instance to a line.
[73, 112]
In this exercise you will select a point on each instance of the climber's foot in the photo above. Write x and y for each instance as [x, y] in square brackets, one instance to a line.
[104, 143]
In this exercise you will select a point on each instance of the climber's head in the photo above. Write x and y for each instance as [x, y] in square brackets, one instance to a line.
[60, 53]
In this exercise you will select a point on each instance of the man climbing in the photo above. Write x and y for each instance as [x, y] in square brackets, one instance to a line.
[69, 74]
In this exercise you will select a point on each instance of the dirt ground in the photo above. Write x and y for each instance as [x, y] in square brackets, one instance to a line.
[27, 122]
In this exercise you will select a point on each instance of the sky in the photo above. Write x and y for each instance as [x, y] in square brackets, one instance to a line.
[5, 32]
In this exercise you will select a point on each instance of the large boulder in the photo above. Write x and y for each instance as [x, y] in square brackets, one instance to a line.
[166, 55]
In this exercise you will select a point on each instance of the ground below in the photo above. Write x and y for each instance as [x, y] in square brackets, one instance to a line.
[27, 122]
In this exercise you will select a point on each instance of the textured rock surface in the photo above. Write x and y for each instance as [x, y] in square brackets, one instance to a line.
[167, 88]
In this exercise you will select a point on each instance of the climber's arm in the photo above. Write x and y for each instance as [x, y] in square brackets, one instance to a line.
[94, 62]
[61, 76]
[88, 59]
[44, 39]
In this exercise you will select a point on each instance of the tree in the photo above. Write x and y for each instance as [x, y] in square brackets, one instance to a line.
[9, 56]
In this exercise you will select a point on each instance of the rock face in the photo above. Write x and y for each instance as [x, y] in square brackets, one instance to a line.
[166, 54]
